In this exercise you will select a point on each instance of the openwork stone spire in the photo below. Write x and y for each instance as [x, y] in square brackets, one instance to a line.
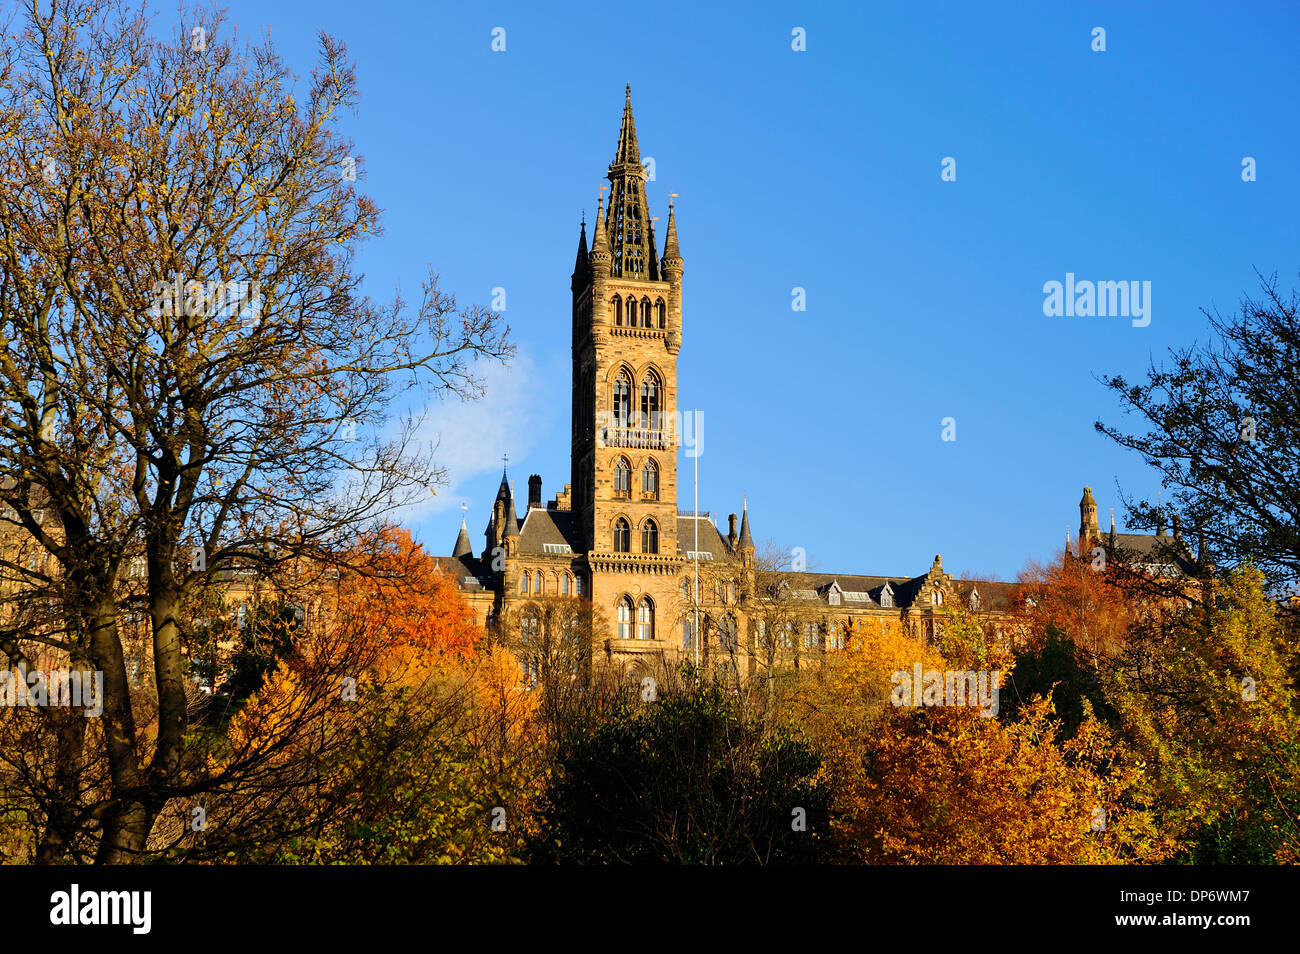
[631, 232]
[628, 151]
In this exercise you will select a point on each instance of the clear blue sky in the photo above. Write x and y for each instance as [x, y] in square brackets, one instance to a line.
[821, 169]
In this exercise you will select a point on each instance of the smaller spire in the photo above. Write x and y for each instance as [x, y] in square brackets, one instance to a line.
[671, 251]
[580, 264]
[745, 539]
[599, 240]
[512, 521]
[463, 546]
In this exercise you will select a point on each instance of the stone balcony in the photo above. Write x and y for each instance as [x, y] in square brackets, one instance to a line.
[636, 438]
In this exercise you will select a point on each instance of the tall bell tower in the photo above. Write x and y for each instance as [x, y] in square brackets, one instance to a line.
[627, 331]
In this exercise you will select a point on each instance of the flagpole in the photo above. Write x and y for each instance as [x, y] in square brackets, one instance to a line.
[695, 425]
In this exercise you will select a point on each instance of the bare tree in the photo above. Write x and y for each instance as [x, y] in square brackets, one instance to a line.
[189, 371]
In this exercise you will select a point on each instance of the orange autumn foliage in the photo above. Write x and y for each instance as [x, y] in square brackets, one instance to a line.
[1087, 605]
[948, 786]
[397, 592]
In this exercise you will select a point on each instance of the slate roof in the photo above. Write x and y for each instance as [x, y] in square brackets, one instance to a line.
[547, 526]
[711, 539]
[904, 588]
[1149, 548]
[993, 595]
[459, 568]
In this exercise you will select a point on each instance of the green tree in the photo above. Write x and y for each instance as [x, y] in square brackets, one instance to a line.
[1052, 667]
[1221, 422]
[1209, 702]
[685, 779]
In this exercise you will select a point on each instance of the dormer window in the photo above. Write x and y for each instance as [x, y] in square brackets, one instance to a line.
[887, 597]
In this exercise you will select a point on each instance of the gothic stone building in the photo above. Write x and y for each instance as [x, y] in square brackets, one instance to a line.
[614, 536]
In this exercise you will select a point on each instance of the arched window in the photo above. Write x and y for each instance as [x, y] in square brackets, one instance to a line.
[645, 619]
[936, 598]
[649, 537]
[625, 618]
[622, 399]
[787, 635]
[650, 401]
[577, 585]
[688, 632]
[650, 479]
[647, 316]
[529, 626]
[523, 583]
[686, 590]
[622, 478]
[728, 633]
[622, 536]
[810, 636]
[564, 585]
[618, 310]
[835, 635]
[661, 314]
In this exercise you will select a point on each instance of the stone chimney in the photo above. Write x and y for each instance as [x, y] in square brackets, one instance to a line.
[731, 531]
[534, 491]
